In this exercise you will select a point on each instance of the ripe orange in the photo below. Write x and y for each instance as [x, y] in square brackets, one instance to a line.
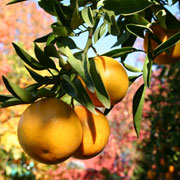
[171, 168]
[96, 132]
[163, 34]
[151, 174]
[49, 131]
[114, 77]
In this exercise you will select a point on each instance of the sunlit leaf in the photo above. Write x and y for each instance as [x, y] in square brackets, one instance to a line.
[87, 16]
[27, 58]
[147, 70]
[127, 7]
[18, 92]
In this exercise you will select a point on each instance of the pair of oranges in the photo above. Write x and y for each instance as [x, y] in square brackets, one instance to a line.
[50, 131]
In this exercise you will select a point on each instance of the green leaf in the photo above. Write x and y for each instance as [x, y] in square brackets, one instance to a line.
[11, 102]
[76, 20]
[44, 92]
[18, 92]
[68, 86]
[51, 51]
[167, 44]
[82, 68]
[51, 39]
[113, 28]
[127, 7]
[43, 59]
[60, 13]
[136, 29]
[47, 6]
[99, 32]
[138, 102]
[15, 1]
[33, 87]
[27, 58]
[43, 39]
[61, 30]
[87, 16]
[131, 68]
[66, 41]
[4, 97]
[147, 71]
[100, 90]
[37, 77]
[116, 53]
[83, 97]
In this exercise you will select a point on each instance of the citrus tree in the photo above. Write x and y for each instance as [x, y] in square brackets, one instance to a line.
[74, 77]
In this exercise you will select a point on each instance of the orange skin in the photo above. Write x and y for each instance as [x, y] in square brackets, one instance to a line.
[49, 131]
[163, 34]
[114, 77]
[96, 132]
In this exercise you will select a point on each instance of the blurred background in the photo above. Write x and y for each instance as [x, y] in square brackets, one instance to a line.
[154, 155]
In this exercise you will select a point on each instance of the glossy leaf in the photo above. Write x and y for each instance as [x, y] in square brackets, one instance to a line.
[99, 86]
[43, 59]
[76, 20]
[68, 86]
[66, 41]
[60, 13]
[11, 102]
[51, 51]
[18, 92]
[167, 44]
[4, 97]
[116, 53]
[42, 39]
[131, 68]
[87, 16]
[27, 58]
[138, 101]
[37, 77]
[82, 68]
[47, 6]
[99, 32]
[147, 70]
[136, 29]
[61, 30]
[83, 97]
[127, 7]
[44, 92]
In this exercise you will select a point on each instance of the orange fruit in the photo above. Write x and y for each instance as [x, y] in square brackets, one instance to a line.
[96, 132]
[163, 34]
[151, 174]
[114, 77]
[49, 131]
[171, 168]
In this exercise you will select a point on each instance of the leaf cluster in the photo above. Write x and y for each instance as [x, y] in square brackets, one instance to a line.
[126, 20]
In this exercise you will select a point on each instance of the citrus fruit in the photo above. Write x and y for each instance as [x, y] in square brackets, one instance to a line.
[151, 174]
[49, 131]
[96, 132]
[173, 54]
[114, 77]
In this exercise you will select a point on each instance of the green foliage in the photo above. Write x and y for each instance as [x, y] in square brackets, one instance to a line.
[162, 149]
[65, 61]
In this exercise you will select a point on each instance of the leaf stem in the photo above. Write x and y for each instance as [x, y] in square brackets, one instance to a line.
[89, 41]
